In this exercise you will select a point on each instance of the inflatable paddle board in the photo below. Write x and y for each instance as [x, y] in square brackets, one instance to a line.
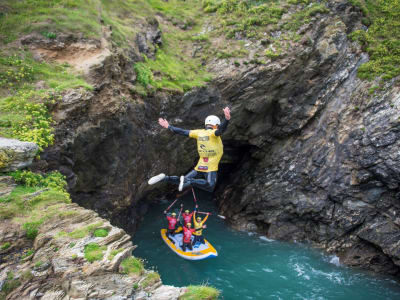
[200, 251]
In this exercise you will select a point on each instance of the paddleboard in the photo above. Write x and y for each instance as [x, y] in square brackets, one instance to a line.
[200, 251]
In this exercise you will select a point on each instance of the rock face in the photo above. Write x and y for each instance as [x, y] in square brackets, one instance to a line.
[53, 265]
[15, 154]
[312, 156]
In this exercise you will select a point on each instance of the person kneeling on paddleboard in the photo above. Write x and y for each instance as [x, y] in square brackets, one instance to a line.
[187, 236]
[198, 225]
[172, 221]
[210, 149]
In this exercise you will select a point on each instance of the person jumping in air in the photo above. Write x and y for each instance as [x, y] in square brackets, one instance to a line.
[210, 149]
[198, 225]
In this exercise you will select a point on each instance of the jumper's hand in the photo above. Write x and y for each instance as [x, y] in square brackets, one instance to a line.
[165, 211]
[164, 123]
[197, 206]
[208, 214]
[227, 113]
[181, 205]
[204, 226]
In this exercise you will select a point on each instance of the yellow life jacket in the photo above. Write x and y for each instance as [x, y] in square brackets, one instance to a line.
[209, 147]
[198, 225]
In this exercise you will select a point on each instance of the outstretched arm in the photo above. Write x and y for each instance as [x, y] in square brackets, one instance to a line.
[164, 123]
[222, 128]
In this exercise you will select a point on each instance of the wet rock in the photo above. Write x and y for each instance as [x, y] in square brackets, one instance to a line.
[15, 155]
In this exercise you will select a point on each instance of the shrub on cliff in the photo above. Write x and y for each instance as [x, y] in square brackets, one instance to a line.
[381, 40]
[200, 292]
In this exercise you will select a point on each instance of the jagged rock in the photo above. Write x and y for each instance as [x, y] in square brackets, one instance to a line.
[58, 268]
[15, 154]
[148, 41]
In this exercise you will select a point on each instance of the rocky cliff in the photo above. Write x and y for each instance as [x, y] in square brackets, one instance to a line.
[311, 149]
[73, 254]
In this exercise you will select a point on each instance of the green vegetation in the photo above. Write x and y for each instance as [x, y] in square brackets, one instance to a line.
[38, 264]
[9, 285]
[35, 201]
[53, 180]
[144, 74]
[82, 232]
[32, 229]
[5, 246]
[253, 18]
[200, 292]
[94, 252]
[132, 265]
[304, 16]
[49, 17]
[27, 254]
[382, 40]
[175, 74]
[150, 279]
[100, 232]
[24, 110]
[114, 252]
[245, 16]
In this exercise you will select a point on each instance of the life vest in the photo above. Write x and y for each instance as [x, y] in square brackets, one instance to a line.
[187, 217]
[187, 234]
[198, 225]
[209, 147]
[171, 222]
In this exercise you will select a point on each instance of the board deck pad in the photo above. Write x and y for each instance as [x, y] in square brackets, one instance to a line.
[200, 251]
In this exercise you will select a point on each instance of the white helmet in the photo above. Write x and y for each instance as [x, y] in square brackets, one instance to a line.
[212, 120]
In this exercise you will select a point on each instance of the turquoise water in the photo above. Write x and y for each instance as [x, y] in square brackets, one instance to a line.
[250, 266]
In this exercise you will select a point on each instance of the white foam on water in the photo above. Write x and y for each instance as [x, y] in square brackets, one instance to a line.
[335, 260]
[251, 233]
[251, 271]
[264, 238]
[332, 276]
[283, 277]
[267, 270]
[301, 272]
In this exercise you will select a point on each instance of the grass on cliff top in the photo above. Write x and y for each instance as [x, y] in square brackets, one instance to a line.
[254, 19]
[24, 109]
[175, 70]
[200, 292]
[33, 202]
[49, 18]
[382, 40]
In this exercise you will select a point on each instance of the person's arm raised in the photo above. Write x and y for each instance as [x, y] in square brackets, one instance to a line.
[222, 128]
[164, 123]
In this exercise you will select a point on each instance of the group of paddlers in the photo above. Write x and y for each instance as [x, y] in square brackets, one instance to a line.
[188, 231]
[210, 149]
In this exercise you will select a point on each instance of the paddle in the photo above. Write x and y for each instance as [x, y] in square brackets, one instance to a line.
[194, 196]
[180, 213]
[171, 204]
[205, 213]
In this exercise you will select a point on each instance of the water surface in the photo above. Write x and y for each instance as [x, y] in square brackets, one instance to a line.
[250, 266]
